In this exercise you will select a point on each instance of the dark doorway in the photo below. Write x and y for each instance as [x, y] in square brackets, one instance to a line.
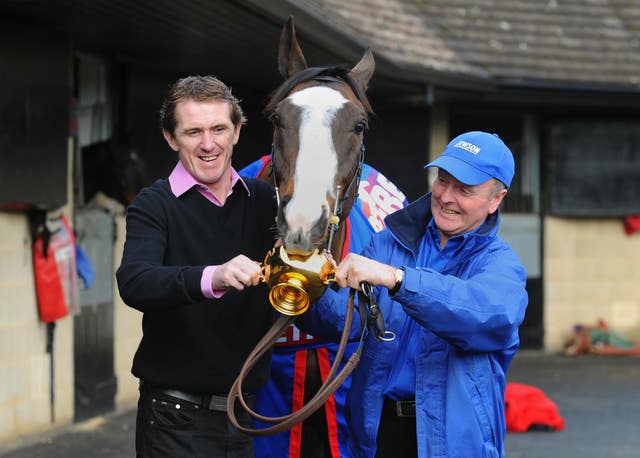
[95, 380]
[521, 215]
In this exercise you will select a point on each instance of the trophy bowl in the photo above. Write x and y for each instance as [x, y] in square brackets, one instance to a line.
[296, 279]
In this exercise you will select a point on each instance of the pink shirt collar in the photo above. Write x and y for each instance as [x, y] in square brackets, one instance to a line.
[181, 181]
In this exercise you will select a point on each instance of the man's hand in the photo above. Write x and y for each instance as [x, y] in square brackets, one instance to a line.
[238, 273]
[355, 269]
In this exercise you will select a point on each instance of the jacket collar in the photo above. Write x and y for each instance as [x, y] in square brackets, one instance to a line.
[409, 224]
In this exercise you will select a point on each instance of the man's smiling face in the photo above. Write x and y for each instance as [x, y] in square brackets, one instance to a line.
[204, 138]
[459, 208]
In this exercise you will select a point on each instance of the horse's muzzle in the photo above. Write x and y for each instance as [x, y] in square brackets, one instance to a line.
[304, 238]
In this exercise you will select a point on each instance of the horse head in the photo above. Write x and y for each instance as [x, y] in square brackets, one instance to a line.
[319, 115]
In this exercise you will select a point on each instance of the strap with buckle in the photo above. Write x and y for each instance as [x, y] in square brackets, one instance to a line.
[211, 401]
[406, 408]
[371, 314]
[218, 403]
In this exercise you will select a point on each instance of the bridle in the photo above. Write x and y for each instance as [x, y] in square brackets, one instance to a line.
[336, 217]
[325, 75]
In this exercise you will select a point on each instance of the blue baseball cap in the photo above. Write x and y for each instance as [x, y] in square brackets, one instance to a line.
[475, 157]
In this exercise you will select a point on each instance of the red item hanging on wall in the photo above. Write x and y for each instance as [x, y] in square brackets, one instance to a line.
[49, 292]
[54, 271]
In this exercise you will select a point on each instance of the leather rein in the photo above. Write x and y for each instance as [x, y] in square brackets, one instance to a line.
[332, 382]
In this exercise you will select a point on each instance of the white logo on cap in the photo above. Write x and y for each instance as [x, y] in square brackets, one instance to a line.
[473, 149]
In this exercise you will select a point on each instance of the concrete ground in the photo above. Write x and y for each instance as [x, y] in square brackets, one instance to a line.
[597, 396]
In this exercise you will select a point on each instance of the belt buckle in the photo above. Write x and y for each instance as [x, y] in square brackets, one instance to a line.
[406, 408]
[218, 403]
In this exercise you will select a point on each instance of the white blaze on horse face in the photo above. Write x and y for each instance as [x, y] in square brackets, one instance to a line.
[317, 162]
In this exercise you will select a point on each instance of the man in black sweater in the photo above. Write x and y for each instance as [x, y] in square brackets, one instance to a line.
[189, 264]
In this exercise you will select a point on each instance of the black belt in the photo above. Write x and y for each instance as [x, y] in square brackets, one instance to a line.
[400, 408]
[216, 402]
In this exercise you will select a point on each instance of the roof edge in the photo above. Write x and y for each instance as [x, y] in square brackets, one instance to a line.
[314, 28]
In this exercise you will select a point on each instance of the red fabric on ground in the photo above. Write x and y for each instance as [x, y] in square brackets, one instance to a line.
[632, 224]
[526, 405]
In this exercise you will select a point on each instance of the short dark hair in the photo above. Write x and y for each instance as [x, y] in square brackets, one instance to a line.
[201, 89]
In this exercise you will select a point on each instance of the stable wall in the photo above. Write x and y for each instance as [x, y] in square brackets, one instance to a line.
[591, 272]
[24, 362]
[127, 333]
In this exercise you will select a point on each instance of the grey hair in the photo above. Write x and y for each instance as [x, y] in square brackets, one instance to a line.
[497, 187]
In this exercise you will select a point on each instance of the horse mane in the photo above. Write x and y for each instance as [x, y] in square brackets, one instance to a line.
[338, 73]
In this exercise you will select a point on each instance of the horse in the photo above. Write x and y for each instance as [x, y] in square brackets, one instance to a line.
[114, 168]
[319, 116]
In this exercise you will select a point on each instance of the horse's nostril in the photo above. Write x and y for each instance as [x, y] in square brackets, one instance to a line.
[298, 240]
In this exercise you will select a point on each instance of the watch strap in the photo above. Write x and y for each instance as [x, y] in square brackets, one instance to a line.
[399, 274]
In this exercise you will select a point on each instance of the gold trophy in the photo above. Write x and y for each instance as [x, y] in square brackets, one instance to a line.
[296, 279]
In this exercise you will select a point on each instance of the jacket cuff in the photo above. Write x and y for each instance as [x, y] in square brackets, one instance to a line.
[205, 284]
[411, 280]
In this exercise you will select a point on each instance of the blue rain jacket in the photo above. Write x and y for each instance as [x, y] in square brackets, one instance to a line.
[468, 318]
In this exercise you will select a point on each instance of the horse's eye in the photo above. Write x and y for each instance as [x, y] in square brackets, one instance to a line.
[275, 119]
[360, 126]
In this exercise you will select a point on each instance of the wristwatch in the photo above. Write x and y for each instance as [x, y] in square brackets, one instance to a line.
[399, 276]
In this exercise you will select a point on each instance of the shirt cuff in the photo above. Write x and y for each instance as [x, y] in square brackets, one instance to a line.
[206, 286]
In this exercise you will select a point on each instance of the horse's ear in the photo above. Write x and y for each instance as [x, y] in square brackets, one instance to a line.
[363, 71]
[290, 57]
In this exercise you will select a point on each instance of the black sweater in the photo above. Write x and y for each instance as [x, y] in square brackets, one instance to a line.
[190, 342]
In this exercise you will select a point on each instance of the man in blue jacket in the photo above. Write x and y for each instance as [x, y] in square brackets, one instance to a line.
[454, 294]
